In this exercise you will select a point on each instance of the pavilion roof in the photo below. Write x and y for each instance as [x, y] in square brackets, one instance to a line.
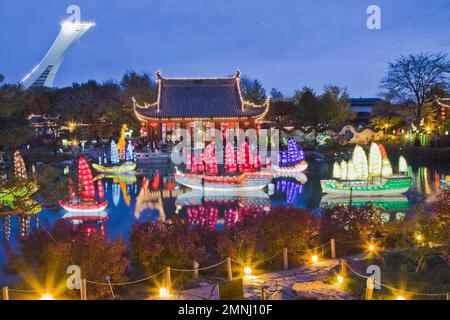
[199, 98]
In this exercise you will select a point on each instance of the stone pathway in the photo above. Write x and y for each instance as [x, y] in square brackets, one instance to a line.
[299, 283]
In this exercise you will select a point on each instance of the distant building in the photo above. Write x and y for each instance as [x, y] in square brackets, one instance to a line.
[363, 107]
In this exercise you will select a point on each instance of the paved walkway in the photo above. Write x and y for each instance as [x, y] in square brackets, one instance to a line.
[299, 283]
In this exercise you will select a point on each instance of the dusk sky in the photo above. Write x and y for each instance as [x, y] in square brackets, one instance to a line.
[285, 44]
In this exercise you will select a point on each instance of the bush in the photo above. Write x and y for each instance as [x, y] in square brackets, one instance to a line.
[42, 259]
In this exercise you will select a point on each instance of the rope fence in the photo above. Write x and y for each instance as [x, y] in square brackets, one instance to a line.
[228, 261]
[395, 289]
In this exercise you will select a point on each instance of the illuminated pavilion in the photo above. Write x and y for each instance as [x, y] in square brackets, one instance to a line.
[197, 103]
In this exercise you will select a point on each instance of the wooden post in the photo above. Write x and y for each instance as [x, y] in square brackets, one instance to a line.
[263, 293]
[168, 280]
[343, 268]
[196, 265]
[6, 293]
[83, 291]
[229, 269]
[448, 296]
[333, 249]
[285, 259]
[369, 289]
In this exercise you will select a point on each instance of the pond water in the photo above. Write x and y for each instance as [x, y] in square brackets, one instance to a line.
[155, 195]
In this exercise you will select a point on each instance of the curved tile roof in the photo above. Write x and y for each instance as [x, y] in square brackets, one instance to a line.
[200, 98]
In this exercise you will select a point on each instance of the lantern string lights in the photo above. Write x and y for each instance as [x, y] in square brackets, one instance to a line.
[129, 152]
[20, 172]
[375, 161]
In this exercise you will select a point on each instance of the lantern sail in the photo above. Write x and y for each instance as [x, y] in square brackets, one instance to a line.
[336, 170]
[114, 153]
[360, 162]
[129, 152]
[375, 161]
[86, 182]
[20, 172]
[344, 170]
[386, 168]
[230, 159]
[100, 189]
[402, 165]
[352, 174]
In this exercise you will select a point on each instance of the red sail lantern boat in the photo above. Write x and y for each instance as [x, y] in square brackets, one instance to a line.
[249, 177]
[86, 202]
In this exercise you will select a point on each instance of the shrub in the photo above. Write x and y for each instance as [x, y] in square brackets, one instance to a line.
[44, 256]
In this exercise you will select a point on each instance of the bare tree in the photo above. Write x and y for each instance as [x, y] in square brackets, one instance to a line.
[414, 78]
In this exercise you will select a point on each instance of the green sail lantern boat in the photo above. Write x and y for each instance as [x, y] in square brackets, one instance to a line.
[116, 167]
[367, 177]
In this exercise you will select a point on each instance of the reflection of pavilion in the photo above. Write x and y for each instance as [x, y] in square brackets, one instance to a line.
[204, 208]
[87, 223]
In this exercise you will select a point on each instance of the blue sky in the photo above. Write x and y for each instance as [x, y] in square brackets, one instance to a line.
[285, 44]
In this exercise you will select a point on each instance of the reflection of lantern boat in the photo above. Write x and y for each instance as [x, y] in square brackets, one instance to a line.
[87, 222]
[128, 179]
[394, 203]
[116, 167]
[86, 202]
[249, 179]
[360, 177]
[291, 162]
[203, 207]
[290, 187]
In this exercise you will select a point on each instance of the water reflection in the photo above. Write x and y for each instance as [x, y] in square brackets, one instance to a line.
[396, 203]
[220, 210]
[23, 225]
[290, 188]
[87, 223]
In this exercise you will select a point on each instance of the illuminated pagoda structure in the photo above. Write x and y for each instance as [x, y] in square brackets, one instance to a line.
[197, 104]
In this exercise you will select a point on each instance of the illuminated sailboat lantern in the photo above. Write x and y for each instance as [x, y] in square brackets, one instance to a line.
[9, 196]
[116, 167]
[86, 201]
[372, 177]
[242, 176]
[291, 162]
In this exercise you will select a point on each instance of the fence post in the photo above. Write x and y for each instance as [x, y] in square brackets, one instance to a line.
[229, 269]
[263, 293]
[6, 293]
[83, 291]
[343, 268]
[369, 287]
[196, 265]
[168, 280]
[333, 249]
[285, 259]
[448, 296]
